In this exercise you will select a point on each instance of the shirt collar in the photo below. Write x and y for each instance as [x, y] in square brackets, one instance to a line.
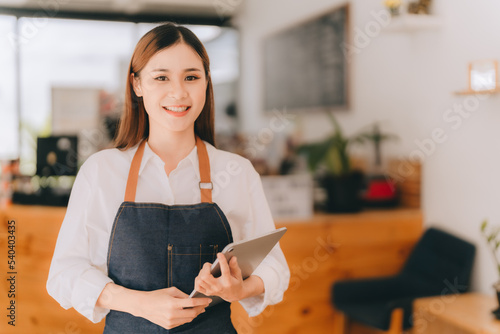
[191, 158]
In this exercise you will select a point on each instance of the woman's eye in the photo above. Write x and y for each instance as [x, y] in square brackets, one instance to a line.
[192, 78]
[161, 78]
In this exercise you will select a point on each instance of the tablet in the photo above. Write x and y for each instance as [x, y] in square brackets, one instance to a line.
[249, 252]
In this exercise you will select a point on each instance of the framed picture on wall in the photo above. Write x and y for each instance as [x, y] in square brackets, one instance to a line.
[305, 67]
[483, 75]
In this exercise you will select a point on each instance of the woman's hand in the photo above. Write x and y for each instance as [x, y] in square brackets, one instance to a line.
[170, 307]
[229, 286]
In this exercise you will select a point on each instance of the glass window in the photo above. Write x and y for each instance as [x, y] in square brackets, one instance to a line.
[73, 72]
[8, 109]
[65, 68]
[222, 48]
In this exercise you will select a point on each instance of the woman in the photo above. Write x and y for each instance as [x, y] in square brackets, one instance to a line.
[135, 259]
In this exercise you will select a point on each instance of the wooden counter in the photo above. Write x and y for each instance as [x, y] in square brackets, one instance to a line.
[319, 251]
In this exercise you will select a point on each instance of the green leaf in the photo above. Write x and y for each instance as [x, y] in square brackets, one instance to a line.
[336, 125]
[483, 225]
[358, 139]
[333, 161]
[338, 158]
[315, 153]
[389, 137]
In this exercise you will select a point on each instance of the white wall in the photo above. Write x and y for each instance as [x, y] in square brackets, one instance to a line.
[407, 82]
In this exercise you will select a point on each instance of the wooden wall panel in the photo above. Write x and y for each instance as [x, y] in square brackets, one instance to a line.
[37, 228]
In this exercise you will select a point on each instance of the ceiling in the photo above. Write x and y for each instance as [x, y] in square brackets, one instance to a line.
[149, 10]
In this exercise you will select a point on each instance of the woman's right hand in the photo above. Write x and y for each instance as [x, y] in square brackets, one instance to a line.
[170, 307]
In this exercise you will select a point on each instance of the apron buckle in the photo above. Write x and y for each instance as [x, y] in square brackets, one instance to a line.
[206, 185]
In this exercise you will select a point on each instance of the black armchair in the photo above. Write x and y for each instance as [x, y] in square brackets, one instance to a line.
[439, 264]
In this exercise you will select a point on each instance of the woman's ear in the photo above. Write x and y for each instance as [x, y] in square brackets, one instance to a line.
[136, 85]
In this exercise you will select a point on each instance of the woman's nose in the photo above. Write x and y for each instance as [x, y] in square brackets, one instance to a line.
[177, 90]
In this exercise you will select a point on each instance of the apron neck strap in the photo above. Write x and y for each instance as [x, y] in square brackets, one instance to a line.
[133, 173]
[205, 183]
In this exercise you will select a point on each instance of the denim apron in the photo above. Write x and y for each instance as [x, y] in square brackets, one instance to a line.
[154, 246]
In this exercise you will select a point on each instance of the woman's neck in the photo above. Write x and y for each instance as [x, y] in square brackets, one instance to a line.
[171, 147]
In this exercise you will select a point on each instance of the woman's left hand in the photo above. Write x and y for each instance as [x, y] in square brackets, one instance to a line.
[229, 285]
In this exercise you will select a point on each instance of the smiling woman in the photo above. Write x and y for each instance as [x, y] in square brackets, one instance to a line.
[151, 75]
[180, 91]
[174, 98]
[134, 261]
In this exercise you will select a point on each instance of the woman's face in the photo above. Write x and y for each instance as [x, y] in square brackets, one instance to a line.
[173, 87]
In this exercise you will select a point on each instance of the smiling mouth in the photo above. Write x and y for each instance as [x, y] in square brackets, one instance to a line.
[177, 109]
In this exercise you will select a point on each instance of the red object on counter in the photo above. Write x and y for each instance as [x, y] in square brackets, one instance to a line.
[380, 189]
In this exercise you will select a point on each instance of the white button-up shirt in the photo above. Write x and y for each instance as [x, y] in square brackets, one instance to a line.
[78, 272]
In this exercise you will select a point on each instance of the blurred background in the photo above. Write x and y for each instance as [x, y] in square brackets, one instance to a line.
[369, 121]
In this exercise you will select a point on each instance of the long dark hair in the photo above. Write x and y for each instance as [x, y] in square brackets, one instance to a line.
[134, 122]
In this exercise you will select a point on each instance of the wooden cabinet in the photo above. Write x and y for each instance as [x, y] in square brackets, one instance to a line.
[318, 251]
[468, 313]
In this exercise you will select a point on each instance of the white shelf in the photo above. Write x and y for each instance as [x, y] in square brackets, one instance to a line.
[413, 23]
[475, 92]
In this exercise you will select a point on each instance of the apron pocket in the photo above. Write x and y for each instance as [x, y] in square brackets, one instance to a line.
[185, 262]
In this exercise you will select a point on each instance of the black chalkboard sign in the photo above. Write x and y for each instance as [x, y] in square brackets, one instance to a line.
[305, 67]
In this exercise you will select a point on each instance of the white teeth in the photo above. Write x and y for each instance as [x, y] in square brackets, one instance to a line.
[176, 109]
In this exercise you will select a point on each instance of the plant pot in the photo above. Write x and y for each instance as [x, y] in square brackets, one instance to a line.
[497, 311]
[343, 192]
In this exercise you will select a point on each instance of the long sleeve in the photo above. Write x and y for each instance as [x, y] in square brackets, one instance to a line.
[73, 280]
[273, 270]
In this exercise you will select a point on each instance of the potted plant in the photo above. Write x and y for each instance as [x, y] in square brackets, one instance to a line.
[341, 182]
[492, 237]
[393, 6]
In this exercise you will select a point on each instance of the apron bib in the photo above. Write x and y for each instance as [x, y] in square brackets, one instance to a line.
[154, 246]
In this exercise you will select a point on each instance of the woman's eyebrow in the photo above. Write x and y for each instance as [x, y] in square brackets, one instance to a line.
[191, 69]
